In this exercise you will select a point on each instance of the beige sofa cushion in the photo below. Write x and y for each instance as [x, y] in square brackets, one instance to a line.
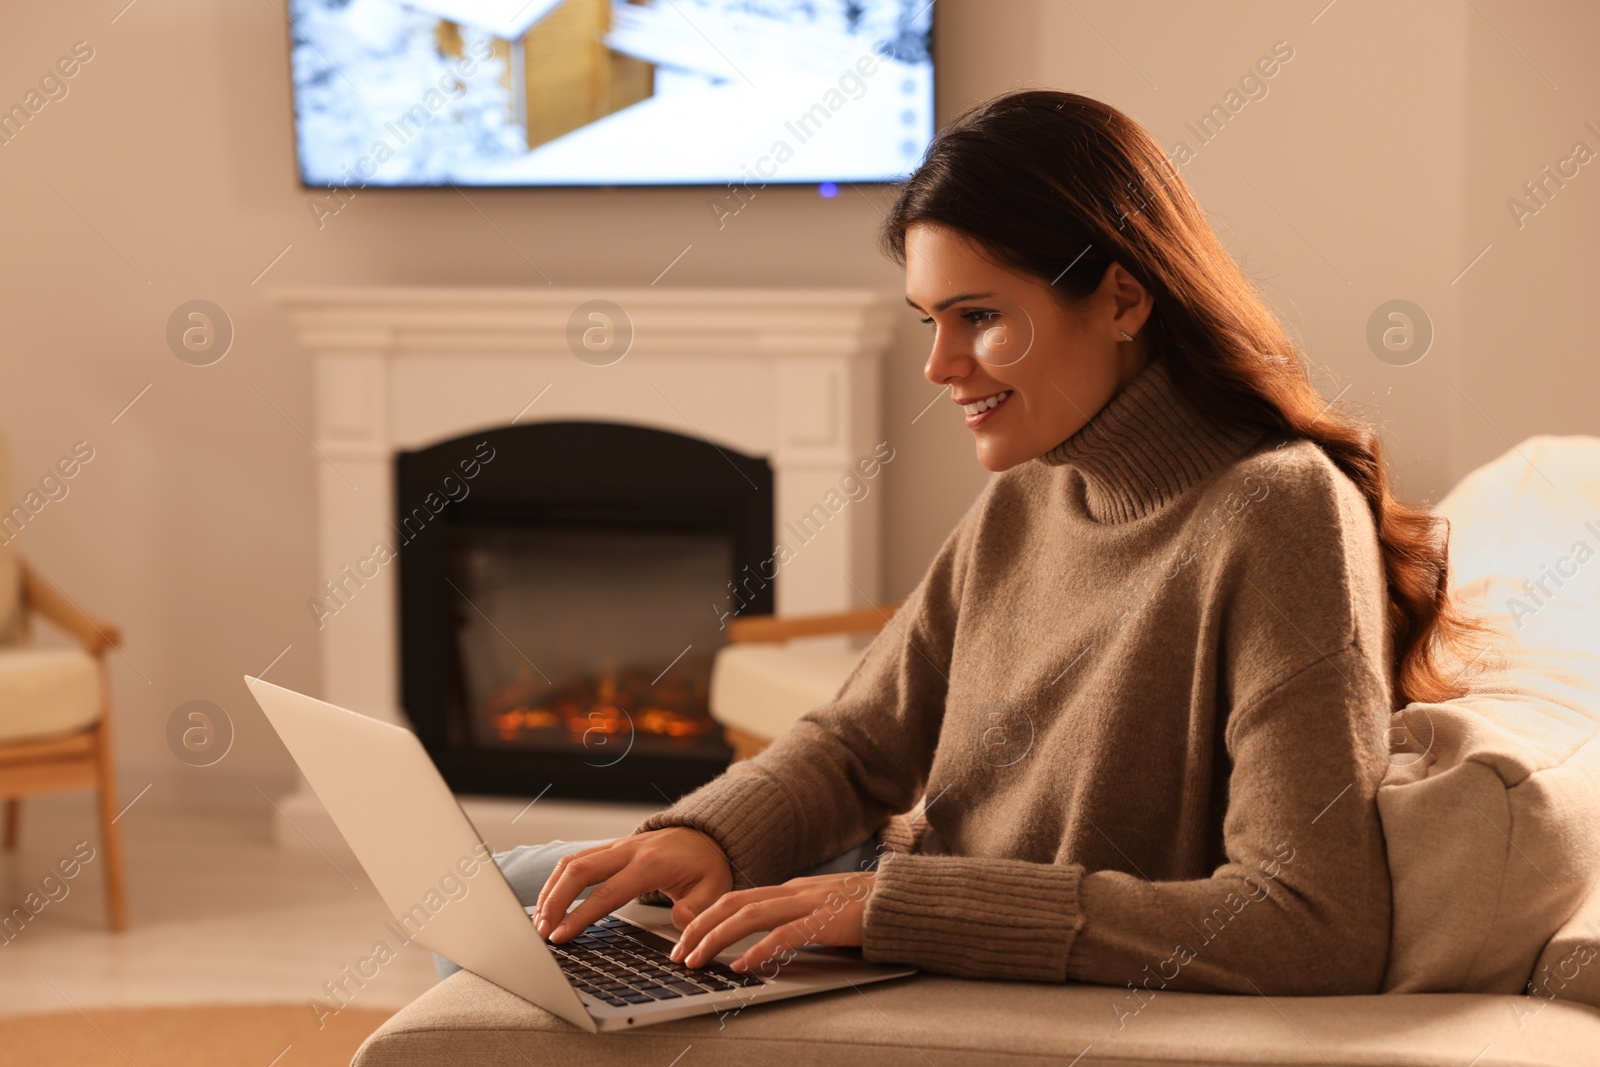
[1491, 802]
[928, 1019]
[1569, 967]
[763, 688]
[47, 692]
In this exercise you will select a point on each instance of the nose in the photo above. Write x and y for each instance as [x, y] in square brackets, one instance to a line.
[951, 359]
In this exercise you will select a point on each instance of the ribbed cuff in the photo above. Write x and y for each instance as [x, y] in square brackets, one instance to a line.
[748, 815]
[973, 917]
[900, 833]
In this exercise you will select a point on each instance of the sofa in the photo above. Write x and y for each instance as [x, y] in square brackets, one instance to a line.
[1490, 812]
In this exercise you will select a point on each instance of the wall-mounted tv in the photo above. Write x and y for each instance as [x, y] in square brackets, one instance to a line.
[610, 92]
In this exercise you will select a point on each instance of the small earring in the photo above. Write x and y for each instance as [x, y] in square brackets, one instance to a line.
[1125, 335]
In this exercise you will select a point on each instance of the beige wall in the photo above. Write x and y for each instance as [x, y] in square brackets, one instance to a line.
[1376, 167]
[1530, 352]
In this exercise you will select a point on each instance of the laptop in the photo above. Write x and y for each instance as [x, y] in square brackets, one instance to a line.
[436, 875]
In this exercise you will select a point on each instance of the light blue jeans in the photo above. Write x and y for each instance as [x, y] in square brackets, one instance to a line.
[528, 867]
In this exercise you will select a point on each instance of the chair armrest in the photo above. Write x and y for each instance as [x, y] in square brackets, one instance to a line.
[773, 628]
[39, 594]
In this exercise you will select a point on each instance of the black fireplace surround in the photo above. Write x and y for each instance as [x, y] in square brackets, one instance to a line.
[548, 575]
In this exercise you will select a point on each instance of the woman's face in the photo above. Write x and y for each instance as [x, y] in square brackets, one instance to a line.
[1028, 372]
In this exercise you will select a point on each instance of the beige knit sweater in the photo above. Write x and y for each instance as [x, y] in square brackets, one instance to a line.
[1142, 693]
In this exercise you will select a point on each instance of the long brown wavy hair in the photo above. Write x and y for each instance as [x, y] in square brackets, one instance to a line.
[1059, 186]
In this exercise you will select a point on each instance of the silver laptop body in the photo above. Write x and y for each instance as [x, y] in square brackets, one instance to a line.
[435, 874]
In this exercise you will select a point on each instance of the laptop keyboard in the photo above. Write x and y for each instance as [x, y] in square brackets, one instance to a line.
[620, 964]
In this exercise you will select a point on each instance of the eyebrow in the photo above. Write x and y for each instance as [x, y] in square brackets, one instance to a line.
[947, 301]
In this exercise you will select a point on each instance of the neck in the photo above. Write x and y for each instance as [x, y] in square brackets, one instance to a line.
[1146, 446]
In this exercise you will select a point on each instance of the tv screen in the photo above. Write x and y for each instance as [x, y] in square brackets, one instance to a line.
[610, 92]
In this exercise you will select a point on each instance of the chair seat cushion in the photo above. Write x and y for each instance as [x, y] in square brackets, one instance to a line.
[47, 692]
[763, 688]
[925, 1019]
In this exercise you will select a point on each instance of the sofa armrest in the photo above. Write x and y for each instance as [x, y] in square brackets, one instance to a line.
[773, 628]
[912, 1021]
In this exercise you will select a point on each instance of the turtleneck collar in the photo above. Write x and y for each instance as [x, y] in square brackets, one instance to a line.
[1146, 447]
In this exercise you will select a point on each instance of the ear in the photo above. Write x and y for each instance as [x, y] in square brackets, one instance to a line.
[1130, 302]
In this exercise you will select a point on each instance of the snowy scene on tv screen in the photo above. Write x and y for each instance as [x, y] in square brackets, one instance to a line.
[610, 92]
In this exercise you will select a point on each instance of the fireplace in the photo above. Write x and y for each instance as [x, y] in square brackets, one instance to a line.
[562, 593]
[760, 372]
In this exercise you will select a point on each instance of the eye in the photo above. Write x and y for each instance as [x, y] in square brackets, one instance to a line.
[977, 316]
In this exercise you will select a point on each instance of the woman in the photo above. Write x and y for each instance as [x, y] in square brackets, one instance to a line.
[1144, 687]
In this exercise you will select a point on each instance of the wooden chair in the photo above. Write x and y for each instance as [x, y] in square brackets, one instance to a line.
[78, 760]
[772, 629]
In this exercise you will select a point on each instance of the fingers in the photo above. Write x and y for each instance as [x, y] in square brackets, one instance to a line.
[574, 874]
[677, 860]
[544, 906]
[737, 915]
[602, 900]
[779, 945]
[687, 907]
[710, 916]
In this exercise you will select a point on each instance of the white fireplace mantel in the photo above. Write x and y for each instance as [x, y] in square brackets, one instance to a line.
[790, 375]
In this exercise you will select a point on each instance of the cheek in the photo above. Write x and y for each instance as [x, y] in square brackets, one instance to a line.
[1037, 382]
[1050, 407]
[994, 346]
[1051, 420]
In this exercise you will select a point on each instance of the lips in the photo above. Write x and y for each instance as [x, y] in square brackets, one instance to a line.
[982, 404]
[981, 409]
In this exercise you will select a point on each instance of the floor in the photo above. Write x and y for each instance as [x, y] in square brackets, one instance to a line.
[217, 914]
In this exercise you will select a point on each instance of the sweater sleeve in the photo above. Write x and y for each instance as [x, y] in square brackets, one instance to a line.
[1297, 898]
[1300, 907]
[844, 767]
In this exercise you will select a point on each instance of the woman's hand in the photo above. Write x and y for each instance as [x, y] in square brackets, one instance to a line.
[684, 863]
[825, 909]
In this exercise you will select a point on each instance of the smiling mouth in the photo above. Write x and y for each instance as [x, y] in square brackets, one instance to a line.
[988, 403]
